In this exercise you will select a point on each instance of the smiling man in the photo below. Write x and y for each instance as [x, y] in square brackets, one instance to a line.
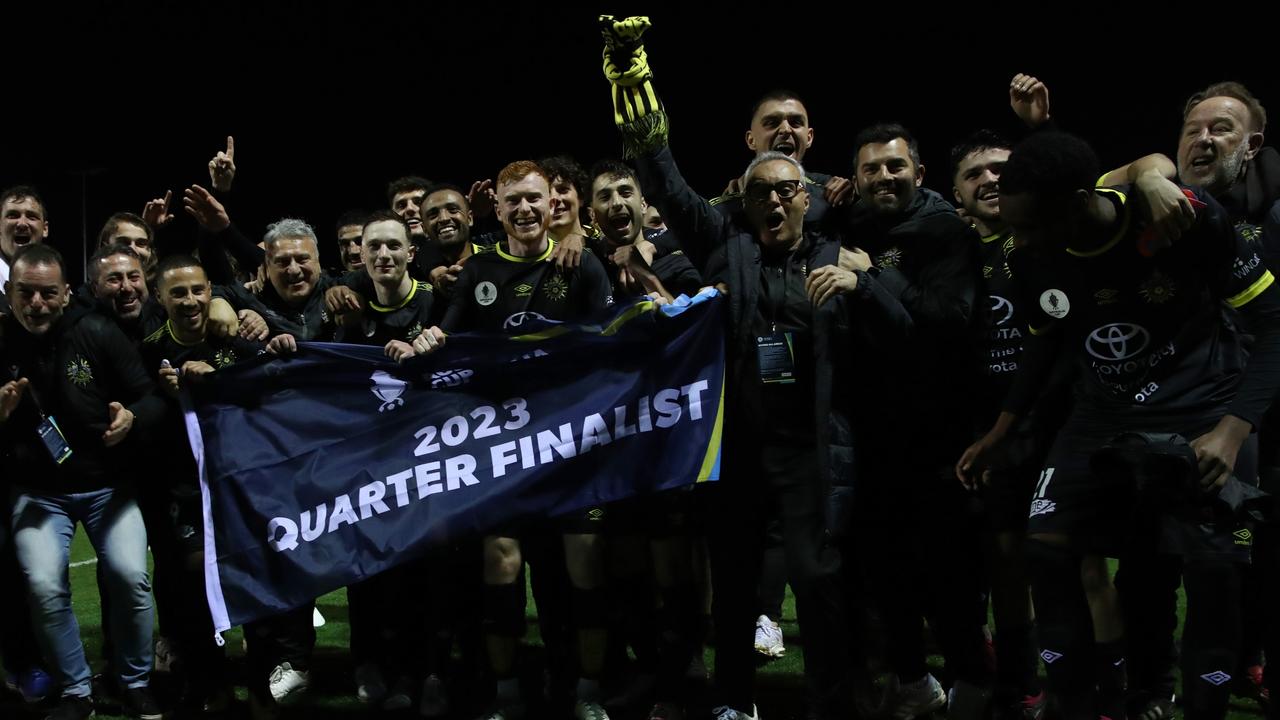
[780, 123]
[69, 417]
[23, 221]
[501, 290]
[926, 256]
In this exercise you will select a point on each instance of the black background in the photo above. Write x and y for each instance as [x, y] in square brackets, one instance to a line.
[107, 105]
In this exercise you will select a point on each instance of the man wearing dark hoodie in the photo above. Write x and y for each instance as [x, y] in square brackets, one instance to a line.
[926, 256]
[77, 393]
[790, 306]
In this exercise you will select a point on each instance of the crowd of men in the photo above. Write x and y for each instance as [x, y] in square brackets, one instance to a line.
[938, 410]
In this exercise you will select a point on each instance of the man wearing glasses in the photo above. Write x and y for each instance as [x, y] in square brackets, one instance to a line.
[792, 308]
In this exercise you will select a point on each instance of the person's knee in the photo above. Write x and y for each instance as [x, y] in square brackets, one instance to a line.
[502, 561]
[584, 560]
[1095, 577]
[47, 586]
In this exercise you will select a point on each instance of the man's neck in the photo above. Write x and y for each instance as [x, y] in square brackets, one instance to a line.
[559, 234]
[530, 249]
[391, 295]
[988, 228]
[1099, 224]
[463, 252]
[188, 337]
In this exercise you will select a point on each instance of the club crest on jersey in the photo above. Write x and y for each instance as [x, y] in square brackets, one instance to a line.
[414, 332]
[486, 293]
[556, 287]
[388, 390]
[1251, 234]
[223, 358]
[1054, 303]
[79, 372]
[890, 258]
[1158, 289]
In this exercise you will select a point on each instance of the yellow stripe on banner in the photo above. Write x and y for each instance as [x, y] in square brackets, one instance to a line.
[632, 313]
[547, 334]
[1252, 291]
[713, 447]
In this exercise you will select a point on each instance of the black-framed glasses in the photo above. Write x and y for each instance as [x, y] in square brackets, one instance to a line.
[759, 192]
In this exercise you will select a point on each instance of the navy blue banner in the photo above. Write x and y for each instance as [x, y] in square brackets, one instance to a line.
[332, 465]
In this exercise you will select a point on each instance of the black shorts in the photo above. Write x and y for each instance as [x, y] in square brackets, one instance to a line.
[655, 515]
[1006, 498]
[1104, 515]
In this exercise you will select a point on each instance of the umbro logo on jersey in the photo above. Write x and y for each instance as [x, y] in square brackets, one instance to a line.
[1050, 656]
[1217, 678]
[1107, 296]
[1243, 537]
[524, 290]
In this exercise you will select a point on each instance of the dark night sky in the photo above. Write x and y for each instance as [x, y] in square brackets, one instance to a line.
[328, 101]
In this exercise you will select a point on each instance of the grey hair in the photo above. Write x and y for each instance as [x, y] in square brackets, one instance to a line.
[287, 228]
[770, 156]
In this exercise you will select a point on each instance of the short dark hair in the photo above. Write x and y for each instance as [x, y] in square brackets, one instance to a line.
[107, 234]
[885, 133]
[1231, 89]
[350, 218]
[38, 254]
[109, 250]
[404, 184]
[1050, 164]
[615, 169]
[565, 167]
[775, 95]
[441, 187]
[176, 262]
[977, 142]
[18, 193]
[384, 215]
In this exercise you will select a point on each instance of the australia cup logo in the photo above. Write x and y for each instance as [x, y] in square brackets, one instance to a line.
[388, 390]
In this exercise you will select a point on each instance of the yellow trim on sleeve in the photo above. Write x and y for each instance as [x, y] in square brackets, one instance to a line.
[1252, 291]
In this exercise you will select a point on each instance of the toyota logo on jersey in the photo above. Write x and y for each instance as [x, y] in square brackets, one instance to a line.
[1117, 342]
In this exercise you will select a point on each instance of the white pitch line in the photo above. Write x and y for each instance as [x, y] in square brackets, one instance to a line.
[82, 563]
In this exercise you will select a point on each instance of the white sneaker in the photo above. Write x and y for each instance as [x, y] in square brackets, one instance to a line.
[400, 697]
[589, 710]
[288, 685]
[725, 712]
[435, 701]
[370, 686]
[918, 698]
[769, 638]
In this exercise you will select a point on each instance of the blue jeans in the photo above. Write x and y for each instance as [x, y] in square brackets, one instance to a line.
[43, 526]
